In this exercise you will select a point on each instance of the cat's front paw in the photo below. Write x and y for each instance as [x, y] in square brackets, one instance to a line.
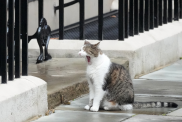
[94, 109]
[87, 107]
[126, 107]
[106, 108]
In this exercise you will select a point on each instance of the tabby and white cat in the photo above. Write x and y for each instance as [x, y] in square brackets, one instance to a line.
[110, 84]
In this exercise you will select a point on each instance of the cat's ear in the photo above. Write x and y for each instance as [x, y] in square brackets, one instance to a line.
[97, 45]
[86, 42]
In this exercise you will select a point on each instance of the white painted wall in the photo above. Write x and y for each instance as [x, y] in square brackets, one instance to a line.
[71, 13]
[23, 99]
[146, 52]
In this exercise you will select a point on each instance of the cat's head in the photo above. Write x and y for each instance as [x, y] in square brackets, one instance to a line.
[89, 50]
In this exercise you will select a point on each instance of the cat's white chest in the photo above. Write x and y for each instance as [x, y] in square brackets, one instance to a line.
[91, 72]
[99, 71]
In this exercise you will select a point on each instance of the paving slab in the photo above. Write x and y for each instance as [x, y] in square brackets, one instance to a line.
[176, 113]
[170, 73]
[79, 103]
[157, 87]
[153, 118]
[75, 111]
[65, 77]
[77, 116]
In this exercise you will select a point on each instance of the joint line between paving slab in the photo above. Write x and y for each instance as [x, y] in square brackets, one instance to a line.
[128, 118]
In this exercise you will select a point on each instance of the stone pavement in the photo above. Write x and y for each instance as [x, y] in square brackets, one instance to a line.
[163, 85]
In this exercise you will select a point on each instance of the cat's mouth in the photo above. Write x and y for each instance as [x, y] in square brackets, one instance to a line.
[88, 59]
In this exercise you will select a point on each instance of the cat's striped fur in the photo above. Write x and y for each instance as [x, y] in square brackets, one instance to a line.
[110, 84]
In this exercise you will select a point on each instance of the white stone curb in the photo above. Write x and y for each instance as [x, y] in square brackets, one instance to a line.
[23, 99]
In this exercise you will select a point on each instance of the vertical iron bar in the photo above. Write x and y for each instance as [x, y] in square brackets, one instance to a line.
[11, 41]
[126, 19]
[156, 13]
[41, 9]
[180, 9]
[165, 12]
[121, 20]
[136, 16]
[100, 25]
[151, 14]
[61, 19]
[160, 12]
[141, 27]
[131, 27]
[170, 13]
[0, 59]
[82, 19]
[176, 10]
[24, 31]
[17, 37]
[3, 35]
[147, 15]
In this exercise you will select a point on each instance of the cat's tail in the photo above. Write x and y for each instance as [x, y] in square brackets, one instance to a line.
[137, 105]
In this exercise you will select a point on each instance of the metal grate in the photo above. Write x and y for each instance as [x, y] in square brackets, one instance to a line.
[110, 30]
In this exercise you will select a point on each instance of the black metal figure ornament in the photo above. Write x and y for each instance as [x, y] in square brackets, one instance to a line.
[42, 35]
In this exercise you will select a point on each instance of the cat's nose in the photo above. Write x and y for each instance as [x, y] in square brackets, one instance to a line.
[79, 54]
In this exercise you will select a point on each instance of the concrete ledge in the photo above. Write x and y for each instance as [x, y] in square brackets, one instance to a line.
[145, 52]
[22, 99]
[67, 94]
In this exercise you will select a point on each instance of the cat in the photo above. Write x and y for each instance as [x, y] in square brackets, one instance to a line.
[110, 84]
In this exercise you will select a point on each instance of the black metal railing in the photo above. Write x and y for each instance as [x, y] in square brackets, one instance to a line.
[16, 33]
[134, 16]
[61, 16]
[13, 42]
[3, 41]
